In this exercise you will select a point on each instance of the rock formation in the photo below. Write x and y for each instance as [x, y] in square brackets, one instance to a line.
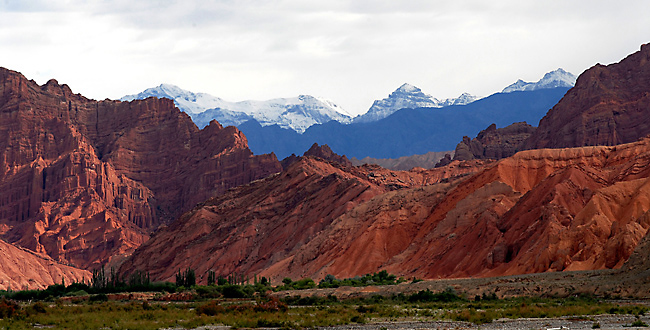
[257, 227]
[546, 210]
[537, 211]
[326, 153]
[494, 143]
[84, 181]
[608, 106]
[323, 152]
[540, 210]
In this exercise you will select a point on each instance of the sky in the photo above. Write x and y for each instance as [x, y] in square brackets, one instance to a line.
[351, 52]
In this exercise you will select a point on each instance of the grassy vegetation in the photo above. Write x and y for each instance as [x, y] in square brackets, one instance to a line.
[234, 302]
[294, 312]
[380, 278]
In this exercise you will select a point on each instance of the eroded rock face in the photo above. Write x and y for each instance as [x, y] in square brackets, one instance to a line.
[259, 227]
[84, 181]
[537, 211]
[22, 269]
[494, 143]
[608, 106]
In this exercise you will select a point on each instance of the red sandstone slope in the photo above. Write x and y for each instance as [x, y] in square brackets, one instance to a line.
[259, 227]
[84, 181]
[23, 269]
[608, 106]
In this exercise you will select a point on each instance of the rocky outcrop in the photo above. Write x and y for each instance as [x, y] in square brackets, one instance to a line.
[22, 269]
[494, 143]
[608, 106]
[84, 181]
[323, 152]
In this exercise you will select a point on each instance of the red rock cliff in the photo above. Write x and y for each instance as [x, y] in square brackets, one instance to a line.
[84, 181]
[494, 143]
[608, 106]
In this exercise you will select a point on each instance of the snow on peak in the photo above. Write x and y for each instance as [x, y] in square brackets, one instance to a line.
[185, 100]
[408, 96]
[553, 79]
[408, 88]
[297, 113]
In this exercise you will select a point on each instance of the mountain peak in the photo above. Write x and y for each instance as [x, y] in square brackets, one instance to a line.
[408, 96]
[553, 79]
[408, 88]
[297, 113]
[185, 100]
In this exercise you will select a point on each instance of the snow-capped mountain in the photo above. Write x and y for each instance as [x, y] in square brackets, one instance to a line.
[185, 100]
[408, 96]
[553, 79]
[297, 113]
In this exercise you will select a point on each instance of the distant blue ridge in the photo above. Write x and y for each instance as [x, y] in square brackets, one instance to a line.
[408, 131]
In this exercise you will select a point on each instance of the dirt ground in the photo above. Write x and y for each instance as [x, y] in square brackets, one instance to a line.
[603, 321]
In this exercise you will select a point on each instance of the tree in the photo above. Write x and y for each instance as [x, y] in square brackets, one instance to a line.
[211, 277]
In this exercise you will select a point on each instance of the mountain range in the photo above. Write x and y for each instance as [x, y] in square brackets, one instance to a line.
[554, 209]
[299, 113]
[408, 131]
[553, 79]
[408, 96]
[408, 122]
[137, 185]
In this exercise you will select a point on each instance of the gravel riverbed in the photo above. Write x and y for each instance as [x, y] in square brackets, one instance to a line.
[591, 322]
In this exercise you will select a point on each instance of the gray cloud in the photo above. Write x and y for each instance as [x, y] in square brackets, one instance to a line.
[349, 51]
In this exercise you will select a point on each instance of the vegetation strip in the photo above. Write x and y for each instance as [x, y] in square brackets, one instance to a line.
[81, 306]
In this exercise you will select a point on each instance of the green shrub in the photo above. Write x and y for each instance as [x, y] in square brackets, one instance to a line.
[448, 295]
[233, 291]
[101, 297]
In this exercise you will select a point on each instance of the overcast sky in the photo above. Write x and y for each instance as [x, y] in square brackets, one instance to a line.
[351, 52]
